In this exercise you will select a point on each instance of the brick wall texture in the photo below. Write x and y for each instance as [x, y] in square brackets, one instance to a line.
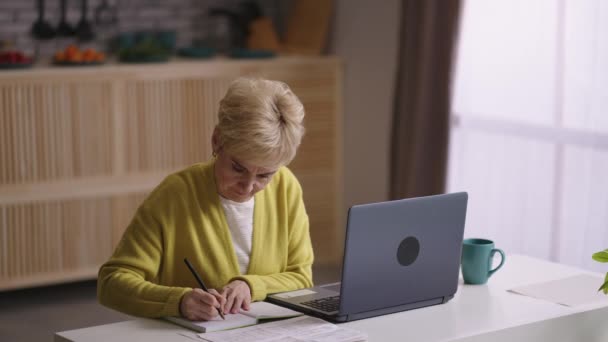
[188, 18]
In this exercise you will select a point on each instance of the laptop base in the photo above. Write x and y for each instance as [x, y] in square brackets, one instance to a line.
[394, 309]
[337, 318]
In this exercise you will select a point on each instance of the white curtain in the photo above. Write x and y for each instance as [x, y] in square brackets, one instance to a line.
[529, 135]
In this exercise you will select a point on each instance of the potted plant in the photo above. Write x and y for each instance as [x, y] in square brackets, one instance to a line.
[602, 257]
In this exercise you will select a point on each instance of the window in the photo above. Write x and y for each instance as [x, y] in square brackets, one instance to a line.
[529, 131]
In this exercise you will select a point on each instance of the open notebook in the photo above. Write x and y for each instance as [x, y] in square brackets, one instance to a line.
[258, 311]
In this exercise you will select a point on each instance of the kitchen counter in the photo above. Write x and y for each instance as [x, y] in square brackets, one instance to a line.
[178, 65]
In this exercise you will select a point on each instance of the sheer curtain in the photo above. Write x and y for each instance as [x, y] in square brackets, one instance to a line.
[529, 130]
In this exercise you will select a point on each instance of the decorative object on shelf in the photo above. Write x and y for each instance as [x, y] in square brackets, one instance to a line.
[238, 21]
[308, 27]
[146, 46]
[167, 39]
[13, 59]
[602, 257]
[64, 28]
[41, 29]
[252, 35]
[196, 52]
[262, 35]
[73, 56]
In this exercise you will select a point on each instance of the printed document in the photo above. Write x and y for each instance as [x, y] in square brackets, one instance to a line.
[299, 329]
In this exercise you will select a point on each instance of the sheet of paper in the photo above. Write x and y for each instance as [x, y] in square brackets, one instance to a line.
[303, 328]
[573, 291]
[263, 310]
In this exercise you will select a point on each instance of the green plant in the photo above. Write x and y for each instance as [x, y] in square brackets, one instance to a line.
[602, 257]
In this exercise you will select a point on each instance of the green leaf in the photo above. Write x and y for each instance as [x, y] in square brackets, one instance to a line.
[604, 286]
[601, 256]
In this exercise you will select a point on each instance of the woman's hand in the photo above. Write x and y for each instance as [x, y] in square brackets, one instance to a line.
[238, 295]
[198, 305]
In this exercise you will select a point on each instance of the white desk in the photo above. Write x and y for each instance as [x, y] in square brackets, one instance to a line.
[477, 313]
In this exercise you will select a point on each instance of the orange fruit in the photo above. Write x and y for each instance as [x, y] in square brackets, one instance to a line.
[71, 49]
[60, 56]
[88, 55]
[76, 57]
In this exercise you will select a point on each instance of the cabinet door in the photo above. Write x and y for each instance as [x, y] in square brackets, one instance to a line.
[80, 151]
[55, 130]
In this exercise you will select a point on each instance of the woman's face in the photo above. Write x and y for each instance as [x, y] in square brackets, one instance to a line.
[238, 180]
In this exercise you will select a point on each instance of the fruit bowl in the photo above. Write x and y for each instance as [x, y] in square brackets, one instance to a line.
[15, 60]
[73, 56]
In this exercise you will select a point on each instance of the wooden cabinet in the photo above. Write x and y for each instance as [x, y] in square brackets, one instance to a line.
[81, 147]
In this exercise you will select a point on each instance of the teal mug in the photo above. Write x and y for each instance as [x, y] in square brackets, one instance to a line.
[477, 256]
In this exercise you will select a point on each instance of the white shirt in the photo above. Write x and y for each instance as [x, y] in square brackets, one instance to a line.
[240, 222]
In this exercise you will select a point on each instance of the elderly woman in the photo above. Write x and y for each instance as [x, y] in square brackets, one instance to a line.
[239, 219]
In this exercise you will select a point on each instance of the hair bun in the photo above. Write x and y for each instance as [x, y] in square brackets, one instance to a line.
[261, 119]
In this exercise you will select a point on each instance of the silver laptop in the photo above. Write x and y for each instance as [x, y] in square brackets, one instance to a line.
[399, 255]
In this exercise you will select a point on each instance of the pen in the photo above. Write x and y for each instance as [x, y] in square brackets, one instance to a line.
[200, 282]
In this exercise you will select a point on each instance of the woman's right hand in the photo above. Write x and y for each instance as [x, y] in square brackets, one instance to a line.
[198, 305]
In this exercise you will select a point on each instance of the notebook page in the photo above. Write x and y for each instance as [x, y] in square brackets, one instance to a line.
[232, 321]
[264, 310]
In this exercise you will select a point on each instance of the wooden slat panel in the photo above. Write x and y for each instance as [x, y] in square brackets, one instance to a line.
[55, 130]
[170, 123]
[79, 150]
[47, 238]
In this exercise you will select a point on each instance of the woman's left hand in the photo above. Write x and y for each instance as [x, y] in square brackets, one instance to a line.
[238, 295]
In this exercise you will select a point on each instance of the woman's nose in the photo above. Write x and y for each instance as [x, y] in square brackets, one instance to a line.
[247, 184]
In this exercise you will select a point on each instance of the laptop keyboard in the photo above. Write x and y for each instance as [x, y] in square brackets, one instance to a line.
[328, 304]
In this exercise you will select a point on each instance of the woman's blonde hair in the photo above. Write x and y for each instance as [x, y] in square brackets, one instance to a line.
[261, 121]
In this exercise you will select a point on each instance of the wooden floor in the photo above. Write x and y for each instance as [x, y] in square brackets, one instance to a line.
[36, 314]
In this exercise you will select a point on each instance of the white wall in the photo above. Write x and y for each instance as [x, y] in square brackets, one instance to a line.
[365, 36]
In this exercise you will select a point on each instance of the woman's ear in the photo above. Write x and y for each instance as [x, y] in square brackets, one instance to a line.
[215, 141]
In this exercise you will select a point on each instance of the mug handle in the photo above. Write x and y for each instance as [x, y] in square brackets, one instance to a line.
[502, 260]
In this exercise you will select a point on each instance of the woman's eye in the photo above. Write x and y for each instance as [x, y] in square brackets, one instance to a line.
[237, 168]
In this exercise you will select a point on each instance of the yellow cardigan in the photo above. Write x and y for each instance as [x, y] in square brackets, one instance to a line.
[146, 276]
